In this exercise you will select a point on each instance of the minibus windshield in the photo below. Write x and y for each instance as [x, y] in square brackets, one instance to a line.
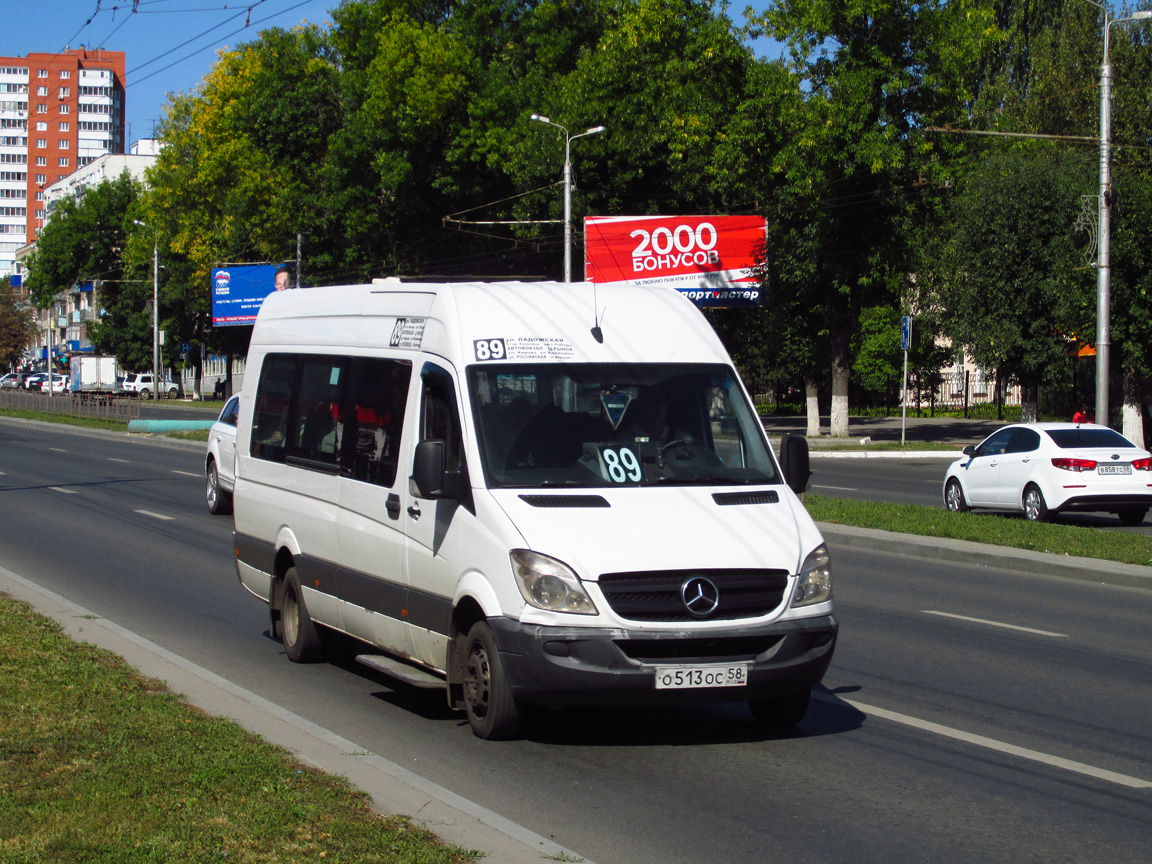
[576, 424]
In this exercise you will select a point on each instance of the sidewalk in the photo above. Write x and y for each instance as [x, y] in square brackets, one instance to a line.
[950, 433]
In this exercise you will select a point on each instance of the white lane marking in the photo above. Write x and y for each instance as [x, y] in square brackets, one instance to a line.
[187, 474]
[998, 624]
[125, 461]
[62, 489]
[156, 515]
[991, 743]
[58, 449]
[837, 488]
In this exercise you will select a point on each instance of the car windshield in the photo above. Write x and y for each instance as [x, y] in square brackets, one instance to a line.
[1080, 439]
[616, 425]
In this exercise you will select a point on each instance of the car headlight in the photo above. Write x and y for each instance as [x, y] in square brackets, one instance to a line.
[550, 584]
[814, 582]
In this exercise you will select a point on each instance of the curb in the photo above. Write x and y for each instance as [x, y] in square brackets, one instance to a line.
[391, 787]
[971, 552]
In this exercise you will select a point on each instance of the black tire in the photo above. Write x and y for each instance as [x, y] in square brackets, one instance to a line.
[782, 712]
[144, 394]
[492, 712]
[1035, 510]
[954, 498]
[1132, 516]
[302, 642]
[219, 501]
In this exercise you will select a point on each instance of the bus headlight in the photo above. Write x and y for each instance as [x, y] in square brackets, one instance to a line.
[814, 582]
[550, 584]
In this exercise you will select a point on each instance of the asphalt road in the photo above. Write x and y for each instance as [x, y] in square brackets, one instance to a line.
[971, 713]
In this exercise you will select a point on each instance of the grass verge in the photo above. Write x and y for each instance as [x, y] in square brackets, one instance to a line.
[99, 764]
[63, 419]
[994, 529]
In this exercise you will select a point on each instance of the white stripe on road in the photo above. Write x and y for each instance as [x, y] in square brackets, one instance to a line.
[58, 449]
[62, 489]
[997, 624]
[125, 461]
[155, 515]
[187, 474]
[991, 743]
[837, 488]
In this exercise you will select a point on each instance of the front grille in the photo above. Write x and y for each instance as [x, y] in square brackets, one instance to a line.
[654, 595]
[727, 499]
[566, 500]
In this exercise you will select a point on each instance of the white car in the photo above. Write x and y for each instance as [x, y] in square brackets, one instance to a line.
[1041, 469]
[59, 384]
[141, 385]
[220, 461]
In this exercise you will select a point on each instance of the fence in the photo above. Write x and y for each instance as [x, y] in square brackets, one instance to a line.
[116, 409]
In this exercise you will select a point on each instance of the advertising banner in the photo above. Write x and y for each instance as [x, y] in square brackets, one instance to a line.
[238, 292]
[706, 258]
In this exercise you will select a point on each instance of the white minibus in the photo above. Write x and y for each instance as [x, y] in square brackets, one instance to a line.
[526, 494]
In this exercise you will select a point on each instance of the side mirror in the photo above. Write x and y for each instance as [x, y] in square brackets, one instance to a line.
[970, 450]
[428, 475]
[794, 463]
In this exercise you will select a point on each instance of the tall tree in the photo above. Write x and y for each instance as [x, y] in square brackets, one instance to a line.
[1009, 289]
[17, 327]
[873, 72]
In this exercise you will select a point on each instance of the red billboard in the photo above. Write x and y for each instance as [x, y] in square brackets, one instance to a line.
[707, 258]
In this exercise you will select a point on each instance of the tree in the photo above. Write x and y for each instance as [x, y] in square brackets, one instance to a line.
[873, 73]
[1008, 287]
[17, 327]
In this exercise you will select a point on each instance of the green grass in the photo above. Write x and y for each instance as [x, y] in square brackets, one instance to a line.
[98, 764]
[998, 530]
[64, 419]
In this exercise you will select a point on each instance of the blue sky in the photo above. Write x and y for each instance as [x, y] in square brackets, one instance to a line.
[170, 44]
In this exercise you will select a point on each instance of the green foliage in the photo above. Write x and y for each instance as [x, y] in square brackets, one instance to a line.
[17, 327]
[1008, 285]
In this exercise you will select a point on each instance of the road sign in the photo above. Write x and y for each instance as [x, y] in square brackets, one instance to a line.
[905, 332]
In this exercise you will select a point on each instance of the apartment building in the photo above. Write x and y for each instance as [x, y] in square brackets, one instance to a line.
[58, 112]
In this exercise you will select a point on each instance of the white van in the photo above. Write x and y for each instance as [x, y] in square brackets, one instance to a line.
[526, 494]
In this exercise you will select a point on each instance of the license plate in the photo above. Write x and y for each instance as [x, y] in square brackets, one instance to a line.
[689, 677]
[1114, 469]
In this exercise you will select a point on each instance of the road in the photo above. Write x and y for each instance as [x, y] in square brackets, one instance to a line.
[969, 714]
[917, 480]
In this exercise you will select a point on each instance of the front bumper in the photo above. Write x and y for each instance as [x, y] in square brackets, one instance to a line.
[590, 666]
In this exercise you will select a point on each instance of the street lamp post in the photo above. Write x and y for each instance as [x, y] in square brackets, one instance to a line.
[155, 312]
[568, 139]
[1103, 261]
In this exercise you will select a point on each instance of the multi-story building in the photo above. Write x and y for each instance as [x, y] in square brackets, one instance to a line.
[58, 112]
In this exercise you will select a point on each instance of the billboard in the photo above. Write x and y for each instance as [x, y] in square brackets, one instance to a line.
[706, 258]
[239, 291]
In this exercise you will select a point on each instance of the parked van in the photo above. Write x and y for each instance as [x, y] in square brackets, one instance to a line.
[526, 494]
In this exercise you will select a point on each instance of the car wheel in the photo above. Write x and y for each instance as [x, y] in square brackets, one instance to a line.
[954, 497]
[144, 394]
[302, 642]
[782, 712]
[219, 501]
[492, 712]
[1132, 516]
[1035, 510]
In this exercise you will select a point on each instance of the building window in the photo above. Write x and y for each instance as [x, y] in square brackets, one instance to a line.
[62, 144]
[41, 73]
[64, 127]
[65, 92]
[41, 161]
[65, 109]
[41, 126]
[41, 108]
[40, 178]
[41, 142]
[65, 74]
[63, 163]
[41, 91]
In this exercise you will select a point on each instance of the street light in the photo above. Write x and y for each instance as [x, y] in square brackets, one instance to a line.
[1103, 261]
[155, 312]
[568, 139]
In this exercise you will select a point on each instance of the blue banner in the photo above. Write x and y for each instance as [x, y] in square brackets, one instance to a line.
[239, 291]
